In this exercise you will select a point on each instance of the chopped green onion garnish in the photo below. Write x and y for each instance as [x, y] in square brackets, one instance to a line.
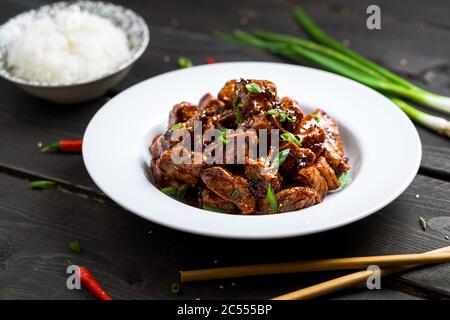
[423, 223]
[181, 193]
[213, 209]
[291, 118]
[42, 184]
[234, 193]
[272, 112]
[344, 179]
[289, 137]
[253, 88]
[279, 159]
[283, 117]
[316, 117]
[170, 191]
[223, 135]
[176, 126]
[175, 288]
[75, 246]
[272, 199]
[184, 62]
[238, 115]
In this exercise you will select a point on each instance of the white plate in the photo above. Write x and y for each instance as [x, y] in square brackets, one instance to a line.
[382, 144]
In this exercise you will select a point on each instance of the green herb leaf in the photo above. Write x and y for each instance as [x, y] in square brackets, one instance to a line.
[234, 193]
[235, 102]
[278, 161]
[181, 193]
[344, 179]
[223, 135]
[42, 184]
[176, 126]
[272, 199]
[184, 62]
[283, 117]
[316, 117]
[423, 223]
[253, 88]
[272, 112]
[291, 118]
[289, 137]
[170, 191]
[238, 115]
[175, 288]
[213, 209]
[75, 246]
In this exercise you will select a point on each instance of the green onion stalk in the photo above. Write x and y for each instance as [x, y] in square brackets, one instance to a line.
[302, 51]
[430, 99]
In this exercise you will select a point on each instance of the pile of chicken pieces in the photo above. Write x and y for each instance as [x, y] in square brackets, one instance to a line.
[308, 173]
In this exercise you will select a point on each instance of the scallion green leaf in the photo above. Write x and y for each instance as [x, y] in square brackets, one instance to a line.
[176, 126]
[175, 288]
[344, 179]
[181, 193]
[184, 62]
[272, 112]
[42, 184]
[253, 88]
[423, 223]
[279, 159]
[75, 246]
[289, 137]
[170, 191]
[223, 135]
[272, 199]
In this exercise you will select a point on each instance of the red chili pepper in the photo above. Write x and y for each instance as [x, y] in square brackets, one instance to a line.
[92, 285]
[72, 146]
[210, 60]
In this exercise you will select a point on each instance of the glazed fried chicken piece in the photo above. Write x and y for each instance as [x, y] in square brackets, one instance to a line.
[311, 133]
[259, 176]
[290, 199]
[159, 145]
[297, 158]
[292, 110]
[229, 187]
[333, 145]
[181, 112]
[161, 179]
[188, 173]
[255, 102]
[210, 199]
[226, 94]
[328, 173]
[311, 177]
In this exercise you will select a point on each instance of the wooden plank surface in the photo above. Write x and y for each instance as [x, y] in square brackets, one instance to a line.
[138, 259]
[26, 120]
[135, 258]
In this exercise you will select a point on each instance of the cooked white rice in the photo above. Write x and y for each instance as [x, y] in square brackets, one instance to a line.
[69, 48]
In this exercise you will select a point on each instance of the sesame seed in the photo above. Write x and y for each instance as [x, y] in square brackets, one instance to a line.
[446, 237]
[233, 284]
[166, 59]
[216, 262]
[221, 287]
[403, 62]
[40, 145]
[417, 195]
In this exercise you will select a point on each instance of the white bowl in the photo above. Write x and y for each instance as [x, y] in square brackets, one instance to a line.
[381, 142]
[133, 25]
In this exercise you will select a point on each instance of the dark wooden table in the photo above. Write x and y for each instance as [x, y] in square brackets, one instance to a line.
[136, 259]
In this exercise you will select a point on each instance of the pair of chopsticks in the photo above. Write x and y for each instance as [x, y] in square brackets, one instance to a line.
[390, 264]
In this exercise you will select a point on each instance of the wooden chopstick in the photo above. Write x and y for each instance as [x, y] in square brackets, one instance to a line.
[315, 265]
[348, 280]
